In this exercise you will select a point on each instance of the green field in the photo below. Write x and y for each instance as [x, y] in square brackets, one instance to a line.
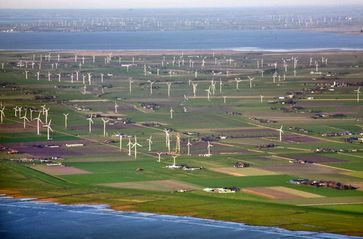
[243, 129]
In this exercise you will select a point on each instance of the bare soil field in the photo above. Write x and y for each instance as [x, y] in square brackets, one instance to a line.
[315, 158]
[299, 139]
[279, 193]
[243, 171]
[59, 170]
[17, 128]
[38, 149]
[157, 185]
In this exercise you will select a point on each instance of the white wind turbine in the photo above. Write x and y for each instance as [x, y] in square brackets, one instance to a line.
[104, 126]
[46, 110]
[261, 98]
[177, 143]
[169, 86]
[19, 111]
[280, 132]
[16, 109]
[224, 99]
[90, 122]
[59, 77]
[130, 146]
[358, 93]
[26, 75]
[174, 160]
[209, 146]
[116, 107]
[251, 79]
[159, 156]
[102, 77]
[49, 76]
[89, 78]
[135, 145]
[188, 146]
[167, 139]
[38, 123]
[25, 119]
[220, 86]
[130, 85]
[38, 75]
[237, 82]
[208, 93]
[151, 86]
[194, 89]
[48, 129]
[171, 112]
[2, 114]
[149, 140]
[65, 120]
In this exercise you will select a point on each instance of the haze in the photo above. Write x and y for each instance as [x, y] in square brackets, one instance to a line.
[96, 4]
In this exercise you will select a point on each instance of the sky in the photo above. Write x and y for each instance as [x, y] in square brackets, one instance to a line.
[95, 4]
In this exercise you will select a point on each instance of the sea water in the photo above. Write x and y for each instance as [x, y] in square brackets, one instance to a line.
[252, 40]
[28, 218]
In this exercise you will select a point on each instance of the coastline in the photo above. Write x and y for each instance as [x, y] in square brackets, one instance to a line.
[106, 209]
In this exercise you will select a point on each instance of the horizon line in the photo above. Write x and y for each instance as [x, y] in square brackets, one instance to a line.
[191, 7]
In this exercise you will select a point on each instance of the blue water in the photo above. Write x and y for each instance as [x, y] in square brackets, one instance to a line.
[27, 218]
[243, 40]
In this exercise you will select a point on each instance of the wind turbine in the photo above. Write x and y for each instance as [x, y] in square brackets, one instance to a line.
[49, 76]
[208, 93]
[19, 110]
[358, 93]
[171, 112]
[25, 119]
[90, 122]
[135, 145]
[174, 159]
[16, 108]
[159, 156]
[151, 86]
[237, 82]
[104, 126]
[220, 86]
[89, 78]
[209, 146]
[130, 85]
[177, 144]
[102, 77]
[224, 99]
[26, 75]
[48, 129]
[38, 123]
[116, 107]
[167, 139]
[280, 133]
[251, 79]
[120, 138]
[130, 146]
[169, 86]
[65, 120]
[150, 142]
[188, 145]
[2, 114]
[38, 75]
[261, 98]
[59, 77]
[46, 114]
[195, 88]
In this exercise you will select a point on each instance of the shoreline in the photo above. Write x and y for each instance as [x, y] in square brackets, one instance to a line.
[117, 209]
[187, 219]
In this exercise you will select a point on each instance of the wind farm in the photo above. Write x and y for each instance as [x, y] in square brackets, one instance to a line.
[249, 135]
